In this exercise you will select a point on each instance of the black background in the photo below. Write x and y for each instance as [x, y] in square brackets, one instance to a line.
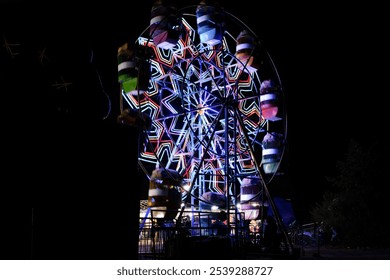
[64, 154]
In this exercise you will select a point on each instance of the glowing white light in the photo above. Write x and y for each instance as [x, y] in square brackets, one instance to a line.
[186, 187]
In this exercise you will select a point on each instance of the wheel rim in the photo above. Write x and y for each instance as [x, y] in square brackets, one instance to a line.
[206, 109]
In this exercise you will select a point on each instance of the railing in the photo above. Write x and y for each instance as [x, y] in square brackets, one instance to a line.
[161, 238]
[307, 237]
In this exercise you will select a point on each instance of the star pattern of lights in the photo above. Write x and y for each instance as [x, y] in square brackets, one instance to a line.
[204, 103]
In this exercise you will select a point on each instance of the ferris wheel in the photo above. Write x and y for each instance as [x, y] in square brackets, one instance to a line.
[211, 104]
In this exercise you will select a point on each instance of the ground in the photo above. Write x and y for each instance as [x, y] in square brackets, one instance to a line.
[340, 253]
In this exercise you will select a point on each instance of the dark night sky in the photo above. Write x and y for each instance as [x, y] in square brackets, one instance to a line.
[331, 60]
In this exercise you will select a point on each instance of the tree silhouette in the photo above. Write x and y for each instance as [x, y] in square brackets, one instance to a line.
[354, 207]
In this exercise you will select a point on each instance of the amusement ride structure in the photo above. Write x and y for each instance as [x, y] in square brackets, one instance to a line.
[210, 103]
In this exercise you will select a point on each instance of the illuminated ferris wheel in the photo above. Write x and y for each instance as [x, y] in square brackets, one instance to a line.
[211, 103]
